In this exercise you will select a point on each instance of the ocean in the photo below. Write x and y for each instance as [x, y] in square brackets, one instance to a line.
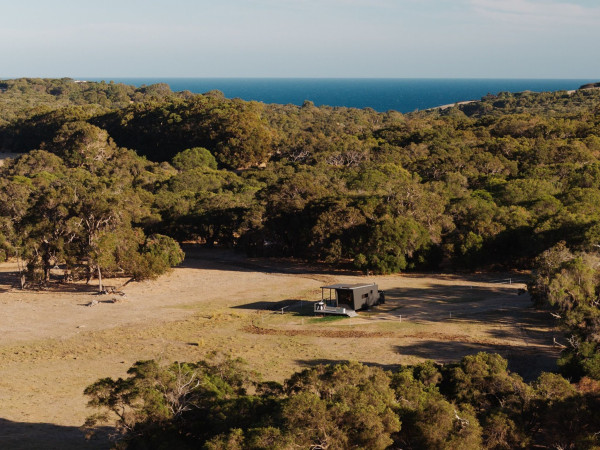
[381, 94]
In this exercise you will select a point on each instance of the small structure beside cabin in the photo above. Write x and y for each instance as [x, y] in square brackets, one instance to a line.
[348, 298]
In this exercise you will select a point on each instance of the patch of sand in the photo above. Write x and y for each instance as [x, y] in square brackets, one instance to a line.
[53, 346]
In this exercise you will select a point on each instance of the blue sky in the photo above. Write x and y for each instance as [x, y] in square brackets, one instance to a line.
[301, 38]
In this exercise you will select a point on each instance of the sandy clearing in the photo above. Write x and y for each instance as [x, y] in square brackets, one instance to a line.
[52, 347]
[29, 315]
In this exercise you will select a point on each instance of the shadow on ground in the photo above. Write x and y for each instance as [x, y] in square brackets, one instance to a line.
[46, 436]
[525, 339]
[295, 307]
[436, 301]
[528, 363]
[318, 362]
[451, 294]
[271, 306]
[8, 281]
[506, 313]
[200, 257]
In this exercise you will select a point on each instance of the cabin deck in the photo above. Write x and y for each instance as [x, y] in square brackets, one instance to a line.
[341, 310]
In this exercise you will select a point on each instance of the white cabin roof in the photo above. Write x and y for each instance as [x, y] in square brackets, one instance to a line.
[348, 286]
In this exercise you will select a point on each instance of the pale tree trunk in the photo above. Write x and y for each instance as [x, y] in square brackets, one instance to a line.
[21, 270]
[100, 287]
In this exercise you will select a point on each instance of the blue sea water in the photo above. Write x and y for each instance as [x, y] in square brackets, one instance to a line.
[381, 94]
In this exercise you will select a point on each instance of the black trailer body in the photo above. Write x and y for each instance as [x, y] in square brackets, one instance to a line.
[351, 296]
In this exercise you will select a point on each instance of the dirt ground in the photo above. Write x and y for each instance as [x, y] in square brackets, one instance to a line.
[53, 345]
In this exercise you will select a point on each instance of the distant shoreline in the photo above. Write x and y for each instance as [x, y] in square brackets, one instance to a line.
[466, 102]
[381, 94]
[451, 105]
[404, 95]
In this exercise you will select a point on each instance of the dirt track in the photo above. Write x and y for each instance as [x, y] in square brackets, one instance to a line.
[53, 346]
[351, 334]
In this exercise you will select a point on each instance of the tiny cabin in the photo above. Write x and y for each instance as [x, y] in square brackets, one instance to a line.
[342, 298]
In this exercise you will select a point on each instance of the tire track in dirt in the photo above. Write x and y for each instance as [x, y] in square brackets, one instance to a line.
[348, 334]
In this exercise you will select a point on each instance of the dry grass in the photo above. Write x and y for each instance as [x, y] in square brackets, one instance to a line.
[52, 346]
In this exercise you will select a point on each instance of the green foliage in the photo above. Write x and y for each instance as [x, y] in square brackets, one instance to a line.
[489, 184]
[439, 425]
[501, 432]
[391, 244]
[474, 404]
[157, 255]
[80, 209]
[553, 387]
[80, 144]
[194, 158]
[570, 284]
[484, 382]
[341, 406]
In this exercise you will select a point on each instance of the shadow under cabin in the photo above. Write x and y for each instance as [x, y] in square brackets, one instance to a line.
[346, 299]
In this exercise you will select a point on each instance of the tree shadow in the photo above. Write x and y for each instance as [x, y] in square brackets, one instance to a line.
[527, 362]
[533, 326]
[437, 301]
[505, 319]
[200, 257]
[295, 307]
[448, 294]
[308, 363]
[26, 436]
[270, 306]
[75, 288]
[8, 281]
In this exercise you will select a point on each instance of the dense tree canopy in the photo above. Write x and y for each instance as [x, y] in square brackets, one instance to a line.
[112, 177]
[486, 184]
[219, 404]
[569, 283]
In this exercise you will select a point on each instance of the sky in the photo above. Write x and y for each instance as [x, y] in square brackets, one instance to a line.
[301, 38]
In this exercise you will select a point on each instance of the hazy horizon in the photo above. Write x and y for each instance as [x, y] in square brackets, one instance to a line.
[519, 39]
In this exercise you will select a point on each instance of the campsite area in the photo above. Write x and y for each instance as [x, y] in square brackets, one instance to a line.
[56, 342]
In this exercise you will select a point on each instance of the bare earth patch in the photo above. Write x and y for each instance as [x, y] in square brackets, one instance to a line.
[53, 345]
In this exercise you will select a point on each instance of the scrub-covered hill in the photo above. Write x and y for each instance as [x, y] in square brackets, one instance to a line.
[485, 184]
